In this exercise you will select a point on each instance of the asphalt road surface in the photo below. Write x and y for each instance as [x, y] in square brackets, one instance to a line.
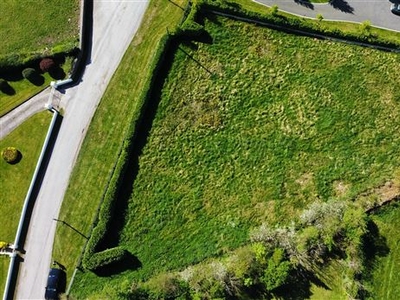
[115, 23]
[376, 11]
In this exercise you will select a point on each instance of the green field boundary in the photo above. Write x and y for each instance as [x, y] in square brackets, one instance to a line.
[189, 27]
[120, 158]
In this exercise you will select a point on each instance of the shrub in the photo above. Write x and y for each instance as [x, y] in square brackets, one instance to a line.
[29, 73]
[274, 10]
[47, 64]
[105, 258]
[10, 155]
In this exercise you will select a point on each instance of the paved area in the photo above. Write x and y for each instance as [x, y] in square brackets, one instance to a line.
[115, 23]
[376, 11]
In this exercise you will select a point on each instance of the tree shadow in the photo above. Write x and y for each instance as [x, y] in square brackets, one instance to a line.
[374, 246]
[138, 140]
[37, 79]
[342, 5]
[129, 262]
[298, 286]
[57, 73]
[7, 89]
[305, 3]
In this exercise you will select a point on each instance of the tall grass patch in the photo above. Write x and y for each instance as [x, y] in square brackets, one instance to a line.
[252, 126]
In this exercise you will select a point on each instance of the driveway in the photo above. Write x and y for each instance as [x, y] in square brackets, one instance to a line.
[115, 23]
[376, 11]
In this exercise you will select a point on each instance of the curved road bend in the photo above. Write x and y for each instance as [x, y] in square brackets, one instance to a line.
[376, 11]
[115, 23]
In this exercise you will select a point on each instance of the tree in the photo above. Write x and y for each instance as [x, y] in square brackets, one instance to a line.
[47, 64]
[10, 155]
[277, 270]
[274, 10]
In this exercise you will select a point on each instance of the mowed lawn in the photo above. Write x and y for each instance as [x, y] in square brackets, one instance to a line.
[251, 127]
[37, 25]
[15, 179]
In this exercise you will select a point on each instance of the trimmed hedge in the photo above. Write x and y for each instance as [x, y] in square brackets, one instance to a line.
[47, 64]
[10, 155]
[22, 59]
[94, 258]
[29, 73]
[105, 258]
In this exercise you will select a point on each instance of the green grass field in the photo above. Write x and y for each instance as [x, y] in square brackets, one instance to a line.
[107, 132]
[251, 128]
[15, 179]
[37, 25]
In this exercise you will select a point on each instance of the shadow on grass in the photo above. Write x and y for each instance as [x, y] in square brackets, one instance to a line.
[37, 79]
[374, 246]
[342, 5]
[57, 73]
[138, 141]
[298, 286]
[130, 262]
[7, 89]
[18, 159]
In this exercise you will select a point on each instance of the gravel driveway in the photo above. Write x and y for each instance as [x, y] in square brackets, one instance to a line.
[115, 23]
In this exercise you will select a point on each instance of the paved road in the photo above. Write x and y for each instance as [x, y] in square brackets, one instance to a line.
[115, 23]
[14, 118]
[376, 11]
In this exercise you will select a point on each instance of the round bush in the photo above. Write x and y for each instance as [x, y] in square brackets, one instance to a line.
[29, 73]
[10, 155]
[47, 64]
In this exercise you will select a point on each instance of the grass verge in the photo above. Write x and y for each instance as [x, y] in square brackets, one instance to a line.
[15, 179]
[107, 132]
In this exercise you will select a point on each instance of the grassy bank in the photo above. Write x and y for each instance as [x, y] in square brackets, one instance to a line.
[250, 128]
[108, 130]
[235, 138]
[15, 179]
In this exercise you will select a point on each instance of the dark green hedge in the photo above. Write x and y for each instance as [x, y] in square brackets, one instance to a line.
[21, 60]
[92, 259]
[105, 258]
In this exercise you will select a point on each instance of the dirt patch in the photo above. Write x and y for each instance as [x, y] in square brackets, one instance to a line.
[380, 196]
[341, 188]
[305, 180]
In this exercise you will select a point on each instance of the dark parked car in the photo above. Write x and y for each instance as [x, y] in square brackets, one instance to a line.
[55, 284]
[395, 8]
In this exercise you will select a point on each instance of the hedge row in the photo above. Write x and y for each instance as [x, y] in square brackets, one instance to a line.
[92, 259]
[23, 60]
[190, 27]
